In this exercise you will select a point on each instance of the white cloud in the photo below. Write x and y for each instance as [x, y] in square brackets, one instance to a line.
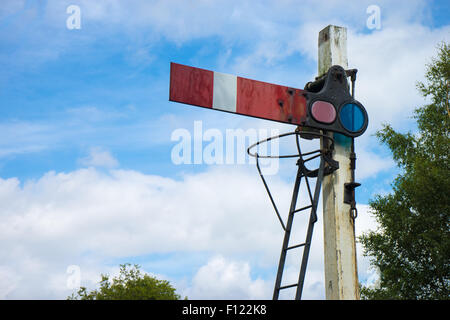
[86, 218]
[222, 279]
[9, 281]
[370, 161]
[83, 126]
[98, 157]
[365, 222]
[67, 218]
[390, 62]
[20, 137]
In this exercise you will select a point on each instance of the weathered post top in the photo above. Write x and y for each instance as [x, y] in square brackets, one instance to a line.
[332, 48]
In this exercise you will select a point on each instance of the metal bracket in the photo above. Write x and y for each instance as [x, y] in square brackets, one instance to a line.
[349, 192]
[349, 188]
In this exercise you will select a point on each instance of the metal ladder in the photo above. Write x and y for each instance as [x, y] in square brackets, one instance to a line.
[327, 166]
[302, 172]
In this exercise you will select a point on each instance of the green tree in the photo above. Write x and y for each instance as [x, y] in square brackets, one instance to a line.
[131, 284]
[411, 248]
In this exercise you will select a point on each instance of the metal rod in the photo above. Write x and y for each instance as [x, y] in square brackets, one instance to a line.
[312, 220]
[289, 286]
[287, 234]
[309, 189]
[296, 246]
[304, 208]
[315, 134]
[313, 157]
[270, 195]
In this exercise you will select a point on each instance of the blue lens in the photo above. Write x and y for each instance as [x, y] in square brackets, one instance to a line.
[352, 117]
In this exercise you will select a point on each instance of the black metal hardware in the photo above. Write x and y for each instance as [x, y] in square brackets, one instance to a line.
[333, 88]
[349, 188]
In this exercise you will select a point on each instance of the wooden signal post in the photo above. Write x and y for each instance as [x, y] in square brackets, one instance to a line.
[341, 276]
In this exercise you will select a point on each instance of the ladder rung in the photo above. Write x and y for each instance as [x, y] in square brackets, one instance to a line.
[304, 208]
[296, 246]
[288, 286]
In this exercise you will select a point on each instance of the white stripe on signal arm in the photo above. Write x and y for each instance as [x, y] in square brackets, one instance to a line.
[224, 92]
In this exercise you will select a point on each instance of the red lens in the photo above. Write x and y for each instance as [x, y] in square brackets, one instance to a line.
[323, 111]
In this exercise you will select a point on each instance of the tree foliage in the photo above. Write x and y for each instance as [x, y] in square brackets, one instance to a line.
[131, 284]
[411, 248]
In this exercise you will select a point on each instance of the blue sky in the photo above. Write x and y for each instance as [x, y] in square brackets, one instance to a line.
[86, 176]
